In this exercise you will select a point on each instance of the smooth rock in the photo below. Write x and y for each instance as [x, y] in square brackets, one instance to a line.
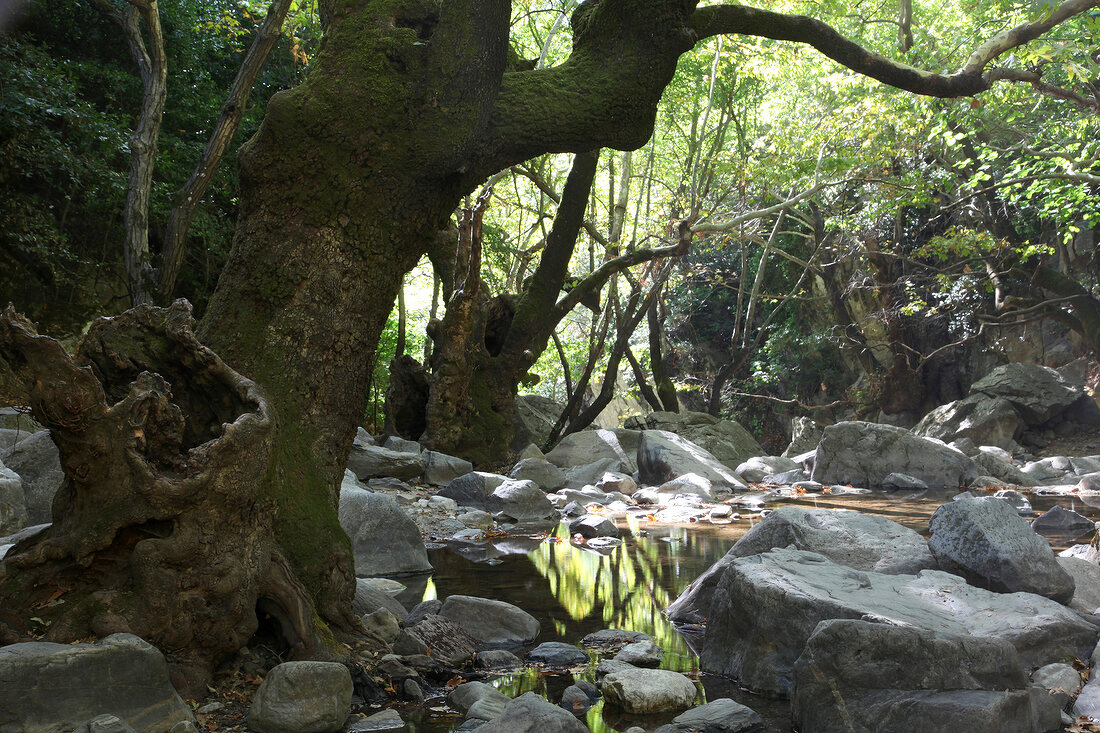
[13, 503]
[588, 446]
[766, 606]
[610, 638]
[860, 541]
[641, 654]
[980, 418]
[372, 461]
[903, 481]
[50, 688]
[615, 481]
[465, 696]
[1086, 581]
[987, 542]
[1088, 700]
[645, 691]
[531, 713]
[523, 501]
[36, 460]
[440, 469]
[493, 623]
[717, 716]
[690, 484]
[383, 537]
[863, 454]
[593, 525]
[726, 440]
[382, 623]
[401, 445]
[545, 474]
[579, 697]
[1060, 519]
[855, 675]
[755, 469]
[302, 697]
[1058, 677]
[805, 435]
[497, 659]
[663, 456]
[475, 490]
[557, 654]
[1037, 392]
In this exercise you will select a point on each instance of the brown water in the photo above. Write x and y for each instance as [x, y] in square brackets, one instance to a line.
[574, 591]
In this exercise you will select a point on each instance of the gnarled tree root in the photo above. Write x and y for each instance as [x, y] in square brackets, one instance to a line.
[162, 527]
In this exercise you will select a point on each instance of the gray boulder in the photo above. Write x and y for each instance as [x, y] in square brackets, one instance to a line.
[987, 542]
[13, 504]
[662, 456]
[860, 676]
[440, 469]
[523, 500]
[726, 440]
[534, 420]
[544, 473]
[690, 484]
[645, 691]
[372, 461]
[475, 490]
[531, 713]
[1001, 467]
[1088, 700]
[50, 688]
[863, 454]
[984, 420]
[369, 599]
[593, 525]
[493, 623]
[1059, 519]
[805, 435]
[588, 446]
[586, 475]
[465, 696]
[557, 654]
[36, 460]
[612, 481]
[755, 469]
[383, 537]
[401, 445]
[859, 541]
[641, 654]
[717, 716]
[302, 697]
[1086, 583]
[766, 607]
[1037, 392]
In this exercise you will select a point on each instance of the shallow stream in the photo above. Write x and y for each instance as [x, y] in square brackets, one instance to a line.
[574, 591]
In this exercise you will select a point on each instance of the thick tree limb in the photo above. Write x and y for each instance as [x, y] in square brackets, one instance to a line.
[970, 79]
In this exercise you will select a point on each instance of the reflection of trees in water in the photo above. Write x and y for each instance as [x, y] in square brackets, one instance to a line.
[628, 587]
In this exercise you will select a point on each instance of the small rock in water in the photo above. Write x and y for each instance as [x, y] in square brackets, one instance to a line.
[641, 654]
[557, 654]
[579, 697]
[612, 638]
[497, 659]
[386, 720]
[643, 691]
[718, 716]
[1060, 519]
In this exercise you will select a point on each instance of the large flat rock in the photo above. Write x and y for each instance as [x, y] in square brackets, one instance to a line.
[860, 676]
[766, 606]
[859, 541]
[50, 688]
